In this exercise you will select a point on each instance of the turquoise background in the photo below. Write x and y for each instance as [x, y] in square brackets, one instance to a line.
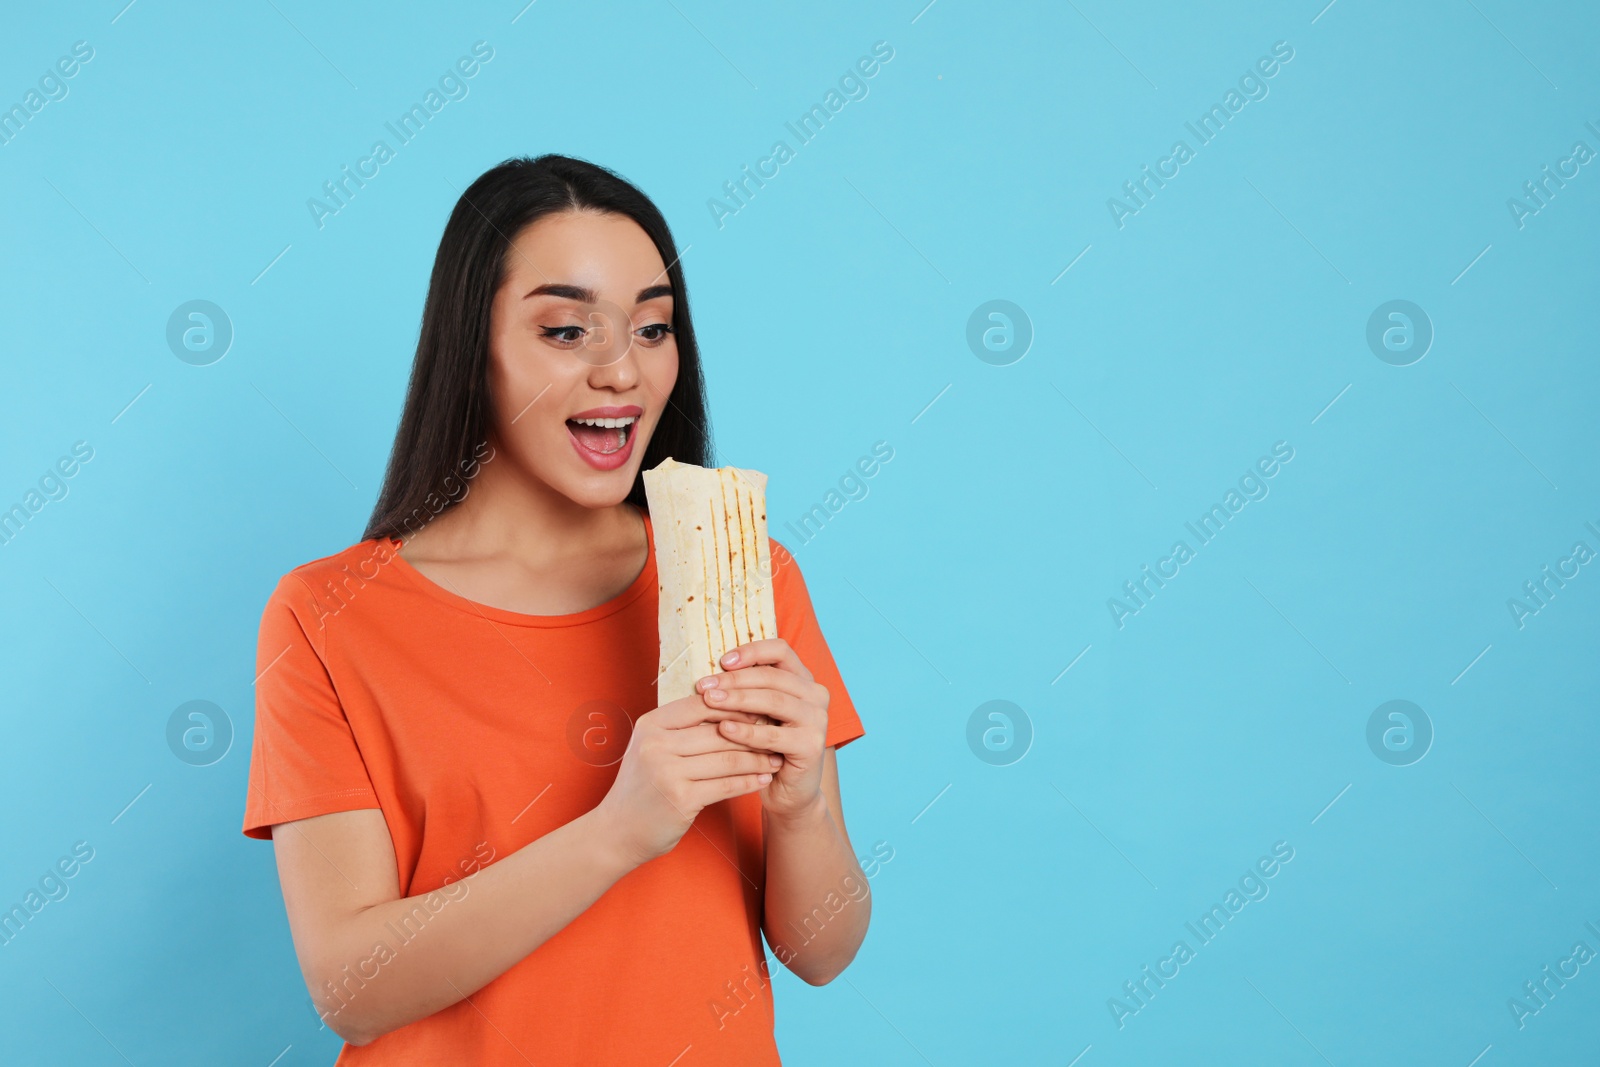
[1228, 314]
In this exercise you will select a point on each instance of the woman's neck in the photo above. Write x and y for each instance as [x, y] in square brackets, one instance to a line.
[522, 546]
[506, 513]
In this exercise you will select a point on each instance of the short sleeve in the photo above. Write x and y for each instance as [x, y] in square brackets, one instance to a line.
[304, 760]
[797, 624]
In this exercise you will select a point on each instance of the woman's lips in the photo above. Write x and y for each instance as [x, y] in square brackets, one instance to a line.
[604, 461]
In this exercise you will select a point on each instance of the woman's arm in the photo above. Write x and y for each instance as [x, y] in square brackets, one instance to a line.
[342, 895]
[817, 904]
[375, 961]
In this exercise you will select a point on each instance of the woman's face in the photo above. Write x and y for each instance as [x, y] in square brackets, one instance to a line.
[581, 353]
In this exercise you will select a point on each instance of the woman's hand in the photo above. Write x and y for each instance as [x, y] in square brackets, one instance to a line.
[676, 764]
[766, 678]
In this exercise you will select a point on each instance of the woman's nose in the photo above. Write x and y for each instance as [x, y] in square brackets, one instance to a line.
[608, 348]
[608, 335]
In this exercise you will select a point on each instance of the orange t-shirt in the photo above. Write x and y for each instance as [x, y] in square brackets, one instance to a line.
[477, 730]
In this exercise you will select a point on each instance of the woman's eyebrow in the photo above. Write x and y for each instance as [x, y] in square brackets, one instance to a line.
[565, 291]
[588, 296]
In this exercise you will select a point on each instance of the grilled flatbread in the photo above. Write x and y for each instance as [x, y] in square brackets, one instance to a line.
[714, 568]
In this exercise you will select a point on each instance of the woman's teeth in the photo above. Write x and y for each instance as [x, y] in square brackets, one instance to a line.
[604, 436]
[626, 420]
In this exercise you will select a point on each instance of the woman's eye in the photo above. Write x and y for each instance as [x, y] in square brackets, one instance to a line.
[577, 336]
[565, 336]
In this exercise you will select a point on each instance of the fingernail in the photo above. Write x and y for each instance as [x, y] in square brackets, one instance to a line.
[764, 779]
[730, 659]
[775, 760]
[730, 727]
[715, 694]
[708, 682]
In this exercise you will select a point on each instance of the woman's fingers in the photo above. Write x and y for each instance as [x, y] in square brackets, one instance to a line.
[698, 740]
[774, 651]
[690, 711]
[785, 740]
[766, 691]
[759, 677]
[773, 703]
[730, 762]
[712, 790]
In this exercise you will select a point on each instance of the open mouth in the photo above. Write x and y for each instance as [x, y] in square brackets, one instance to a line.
[603, 436]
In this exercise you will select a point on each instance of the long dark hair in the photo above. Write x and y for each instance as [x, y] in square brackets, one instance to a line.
[447, 416]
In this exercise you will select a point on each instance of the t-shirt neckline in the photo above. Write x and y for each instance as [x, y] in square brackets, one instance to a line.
[645, 579]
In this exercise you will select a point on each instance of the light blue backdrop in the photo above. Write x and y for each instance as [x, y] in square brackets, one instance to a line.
[1174, 342]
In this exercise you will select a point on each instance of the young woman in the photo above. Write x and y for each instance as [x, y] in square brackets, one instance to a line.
[494, 847]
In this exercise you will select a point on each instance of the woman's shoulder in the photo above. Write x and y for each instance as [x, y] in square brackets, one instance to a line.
[788, 582]
[782, 559]
[326, 584]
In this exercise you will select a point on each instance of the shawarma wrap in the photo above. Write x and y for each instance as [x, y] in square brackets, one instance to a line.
[713, 566]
